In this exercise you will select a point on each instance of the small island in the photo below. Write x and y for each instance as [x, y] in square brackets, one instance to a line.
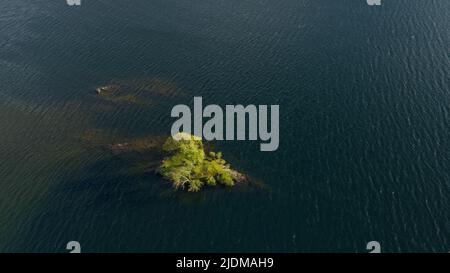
[189, 166]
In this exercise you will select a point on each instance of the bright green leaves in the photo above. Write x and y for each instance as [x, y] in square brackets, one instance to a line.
[189, 167]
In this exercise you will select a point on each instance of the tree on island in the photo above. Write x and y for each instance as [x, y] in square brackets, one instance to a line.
[189, 166]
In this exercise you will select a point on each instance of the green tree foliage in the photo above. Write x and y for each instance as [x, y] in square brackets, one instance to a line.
[189, 167]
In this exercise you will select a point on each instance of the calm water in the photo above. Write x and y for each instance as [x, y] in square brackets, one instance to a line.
[365, 124]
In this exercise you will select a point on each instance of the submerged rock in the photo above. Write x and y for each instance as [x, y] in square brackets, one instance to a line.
[144, 156]
[144, 92]
[107, 89]
[142, 145]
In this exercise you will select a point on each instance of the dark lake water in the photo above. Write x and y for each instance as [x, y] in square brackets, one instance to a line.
[364, 95]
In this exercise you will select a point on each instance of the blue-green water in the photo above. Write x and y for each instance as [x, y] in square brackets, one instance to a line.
[364, 124]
